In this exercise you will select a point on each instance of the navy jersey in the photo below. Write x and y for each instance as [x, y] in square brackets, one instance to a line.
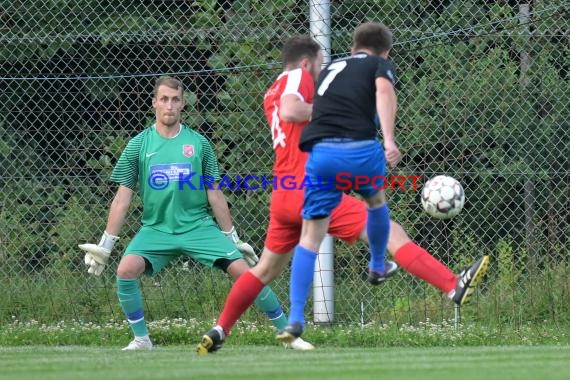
[345, 100]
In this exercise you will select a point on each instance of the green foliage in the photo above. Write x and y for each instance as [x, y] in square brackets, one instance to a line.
[178, 331]
[509, 272]
[470, 107]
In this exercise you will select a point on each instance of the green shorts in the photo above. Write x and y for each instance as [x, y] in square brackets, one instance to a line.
[205, 244]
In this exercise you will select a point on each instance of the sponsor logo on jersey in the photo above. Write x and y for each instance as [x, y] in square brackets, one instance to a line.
[171, 171]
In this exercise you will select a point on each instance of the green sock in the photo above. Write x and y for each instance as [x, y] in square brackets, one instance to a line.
[130, 299]
[267, 302]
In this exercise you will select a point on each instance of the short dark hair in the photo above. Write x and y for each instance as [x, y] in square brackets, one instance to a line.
[374, 36]
[297, 48]
[170, 82]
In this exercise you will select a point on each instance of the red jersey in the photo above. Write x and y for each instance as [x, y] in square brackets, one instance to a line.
[285, 221]
[289, 159]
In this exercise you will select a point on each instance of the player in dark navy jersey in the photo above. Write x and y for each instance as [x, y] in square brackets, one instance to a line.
[345, 103]
[342, 138]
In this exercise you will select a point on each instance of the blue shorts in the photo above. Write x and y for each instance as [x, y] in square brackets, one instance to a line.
[334, 167]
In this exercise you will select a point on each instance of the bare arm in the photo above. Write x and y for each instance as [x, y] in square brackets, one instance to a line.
[97, 255]
[221, 211]
[386, 106]
[220, 208]
[293, 109]
[118, 210]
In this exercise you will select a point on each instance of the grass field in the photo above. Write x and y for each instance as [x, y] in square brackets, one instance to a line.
[271, 362]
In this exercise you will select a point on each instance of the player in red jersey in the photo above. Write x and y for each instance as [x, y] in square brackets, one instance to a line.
[288, 108]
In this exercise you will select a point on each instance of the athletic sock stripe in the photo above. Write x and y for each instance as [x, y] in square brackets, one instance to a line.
[277, 317]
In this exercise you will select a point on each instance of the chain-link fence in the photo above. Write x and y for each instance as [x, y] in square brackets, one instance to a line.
[483, 93]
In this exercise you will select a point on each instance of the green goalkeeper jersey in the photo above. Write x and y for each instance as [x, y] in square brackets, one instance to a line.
[172, 175]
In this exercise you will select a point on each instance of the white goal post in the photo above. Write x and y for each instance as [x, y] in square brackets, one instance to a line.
[323, 283]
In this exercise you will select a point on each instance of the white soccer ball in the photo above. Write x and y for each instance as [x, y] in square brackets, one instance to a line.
[443, 197]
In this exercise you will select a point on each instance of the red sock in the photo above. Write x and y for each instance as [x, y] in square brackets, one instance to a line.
[241, 296]
[421, 264]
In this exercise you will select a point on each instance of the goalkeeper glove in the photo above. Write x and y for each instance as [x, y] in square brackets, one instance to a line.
[96, 256]
[246, 249]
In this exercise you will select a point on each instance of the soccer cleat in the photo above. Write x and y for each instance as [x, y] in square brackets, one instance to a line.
[468, 279]
[376, 278]
[290, 333]
[212, 341]
[139, 343]
[299, 344]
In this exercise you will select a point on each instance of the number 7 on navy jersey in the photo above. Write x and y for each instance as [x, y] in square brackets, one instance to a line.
[334, 69]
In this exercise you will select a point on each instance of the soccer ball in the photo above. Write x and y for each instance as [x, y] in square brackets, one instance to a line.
[443, 197]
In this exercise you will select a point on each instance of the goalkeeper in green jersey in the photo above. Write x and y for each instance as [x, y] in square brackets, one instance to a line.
[167, 162]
